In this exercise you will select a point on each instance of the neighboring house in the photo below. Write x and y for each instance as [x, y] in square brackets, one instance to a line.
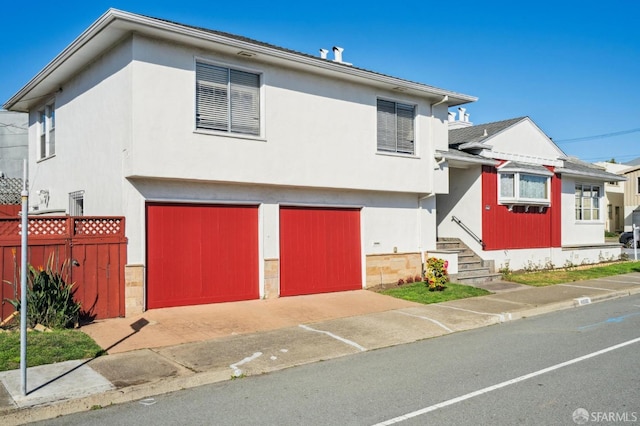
[631, 196]
[14, 142]
[518, 201]
[614, 197]
[244, 170]
[634, 162]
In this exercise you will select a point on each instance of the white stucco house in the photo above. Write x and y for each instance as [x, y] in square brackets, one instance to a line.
[518, 201]
[244, 170]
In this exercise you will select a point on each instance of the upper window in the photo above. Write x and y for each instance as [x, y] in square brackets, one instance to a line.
[638, 185]
[522, 188]
[227, 100]
[396, 127]
[587, 202]
[47, 131]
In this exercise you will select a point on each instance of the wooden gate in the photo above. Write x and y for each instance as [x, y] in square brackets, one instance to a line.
[92, 251]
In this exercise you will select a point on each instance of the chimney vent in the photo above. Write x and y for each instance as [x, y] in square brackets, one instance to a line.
[323, 53]
[461, 115]
[337, 55]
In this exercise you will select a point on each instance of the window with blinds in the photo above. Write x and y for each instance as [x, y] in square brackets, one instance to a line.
[227, 100]
[396, 127]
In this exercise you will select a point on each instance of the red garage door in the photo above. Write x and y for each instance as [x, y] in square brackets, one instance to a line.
[200, 254]
[319, 250]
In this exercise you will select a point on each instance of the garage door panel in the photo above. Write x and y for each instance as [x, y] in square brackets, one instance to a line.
[200, 254]
[320, 250]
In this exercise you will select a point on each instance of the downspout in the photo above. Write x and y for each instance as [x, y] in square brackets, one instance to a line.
[444, 99]
[422, 259]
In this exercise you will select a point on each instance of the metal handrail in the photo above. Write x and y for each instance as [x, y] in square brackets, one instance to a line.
[469, 231]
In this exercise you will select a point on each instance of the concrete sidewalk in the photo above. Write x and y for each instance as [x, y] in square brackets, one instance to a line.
[170, 349]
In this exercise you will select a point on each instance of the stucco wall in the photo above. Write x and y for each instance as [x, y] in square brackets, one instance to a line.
[533, 259]
[576, 232]
[390, 222]
[317, 131]
[93, 133]
[526, 141]
[465, 202]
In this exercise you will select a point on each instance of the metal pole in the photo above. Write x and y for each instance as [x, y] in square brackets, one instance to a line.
[23, 283]
[636, 237]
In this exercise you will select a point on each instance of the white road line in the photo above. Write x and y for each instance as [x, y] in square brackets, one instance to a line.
[236, 371]
[500, 316]
[436, 322]
[586, 287]
[342, 339]
[504, 384]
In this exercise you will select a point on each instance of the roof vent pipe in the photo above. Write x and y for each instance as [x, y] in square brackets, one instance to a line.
[452, 116]
[323, 53]
[337, 53]
[462, 111]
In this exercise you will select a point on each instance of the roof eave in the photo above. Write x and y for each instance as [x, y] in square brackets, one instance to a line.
[469, 158]
[21, 101]
[608, 177]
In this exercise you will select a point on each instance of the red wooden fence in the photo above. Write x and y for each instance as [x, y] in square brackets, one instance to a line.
[93, 251]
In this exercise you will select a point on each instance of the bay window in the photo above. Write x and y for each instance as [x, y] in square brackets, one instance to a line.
[524, 185]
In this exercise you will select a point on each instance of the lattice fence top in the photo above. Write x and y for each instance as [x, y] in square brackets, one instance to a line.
[10, 189]
[98, 226]
[65, 226]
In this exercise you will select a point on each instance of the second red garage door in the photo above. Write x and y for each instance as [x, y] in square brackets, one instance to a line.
[319, 250]
[199, 254]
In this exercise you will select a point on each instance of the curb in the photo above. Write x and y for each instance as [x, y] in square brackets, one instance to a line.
[21, 415]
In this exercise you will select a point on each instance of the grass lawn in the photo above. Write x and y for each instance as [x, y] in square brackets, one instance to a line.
[559, 276]
[418, 292]
[46, 348]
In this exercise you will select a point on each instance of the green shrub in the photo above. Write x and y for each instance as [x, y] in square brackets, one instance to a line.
[50, 299]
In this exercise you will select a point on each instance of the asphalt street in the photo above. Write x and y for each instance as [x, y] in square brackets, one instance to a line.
[558, 368]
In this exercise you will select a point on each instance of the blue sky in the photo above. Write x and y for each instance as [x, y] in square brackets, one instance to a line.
[573, 67]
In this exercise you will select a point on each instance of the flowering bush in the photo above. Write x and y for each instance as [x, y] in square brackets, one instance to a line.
[409, 279]
[400, 281]
[436, 277]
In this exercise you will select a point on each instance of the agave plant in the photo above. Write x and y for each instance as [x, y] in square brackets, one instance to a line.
[50, 299]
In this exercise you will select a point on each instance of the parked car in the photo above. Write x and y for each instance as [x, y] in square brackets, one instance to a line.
[626, 239]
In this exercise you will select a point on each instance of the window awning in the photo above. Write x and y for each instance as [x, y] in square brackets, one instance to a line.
[515, 167]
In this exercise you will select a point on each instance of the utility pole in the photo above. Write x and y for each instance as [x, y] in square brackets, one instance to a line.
[23, 282]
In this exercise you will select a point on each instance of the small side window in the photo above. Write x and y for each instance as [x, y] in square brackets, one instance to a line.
[76, 203]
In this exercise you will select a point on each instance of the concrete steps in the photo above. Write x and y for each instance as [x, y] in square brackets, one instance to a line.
[471, 268]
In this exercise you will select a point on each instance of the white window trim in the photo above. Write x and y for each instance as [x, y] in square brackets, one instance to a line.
[638, 185]
[262, 104]
[601, 217]
[46, 129]
[516, 200]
